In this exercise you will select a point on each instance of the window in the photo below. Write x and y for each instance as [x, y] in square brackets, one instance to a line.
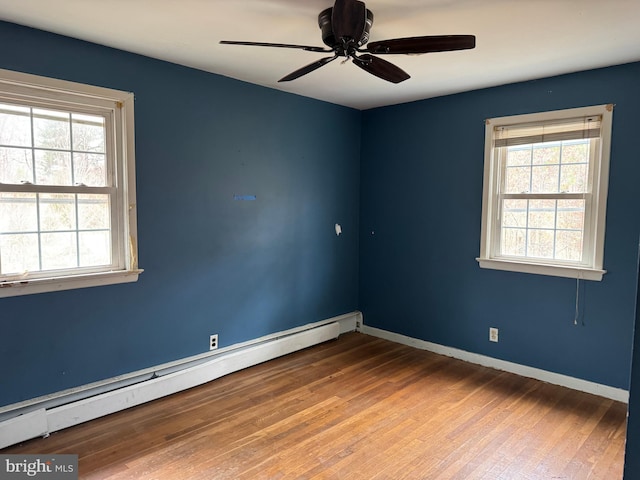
[545, 192]
[67, 186]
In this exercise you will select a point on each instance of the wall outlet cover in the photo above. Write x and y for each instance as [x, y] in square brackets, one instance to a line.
[493, 334]
[213, 342]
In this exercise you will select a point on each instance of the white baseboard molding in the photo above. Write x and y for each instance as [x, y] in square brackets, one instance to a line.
[76, 406]
[605, 391]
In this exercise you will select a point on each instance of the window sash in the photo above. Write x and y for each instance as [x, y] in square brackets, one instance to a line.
[501, 229]
[114, 233]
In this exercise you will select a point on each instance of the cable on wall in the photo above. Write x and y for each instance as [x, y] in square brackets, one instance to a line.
[577, 311]
[575, 318]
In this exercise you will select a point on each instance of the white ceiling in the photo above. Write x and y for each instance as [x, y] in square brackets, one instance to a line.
[516, 40]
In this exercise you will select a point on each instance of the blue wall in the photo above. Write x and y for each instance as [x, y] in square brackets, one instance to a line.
[421, 198]
[241, 269]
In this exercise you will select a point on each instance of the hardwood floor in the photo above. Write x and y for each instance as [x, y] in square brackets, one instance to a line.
[356, 408]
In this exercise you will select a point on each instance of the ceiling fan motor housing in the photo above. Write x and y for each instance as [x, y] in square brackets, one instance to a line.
[329, 39]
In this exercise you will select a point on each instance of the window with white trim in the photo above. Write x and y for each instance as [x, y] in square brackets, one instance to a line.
[545, 192]
[67, 185]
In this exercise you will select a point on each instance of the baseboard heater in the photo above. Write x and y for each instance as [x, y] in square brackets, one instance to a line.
[40, 419]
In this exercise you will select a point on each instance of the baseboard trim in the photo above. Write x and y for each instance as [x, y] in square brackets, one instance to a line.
[33, 418]
[605, 391]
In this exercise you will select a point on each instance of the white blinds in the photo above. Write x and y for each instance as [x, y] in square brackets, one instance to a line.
[554, 131]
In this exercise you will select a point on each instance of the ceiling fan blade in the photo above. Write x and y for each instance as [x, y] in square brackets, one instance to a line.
[278, 45]
[348, 20]
[415, 45]
[307, 69]
[381, 68]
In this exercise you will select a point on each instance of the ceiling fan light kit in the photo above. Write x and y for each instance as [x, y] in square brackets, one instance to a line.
[345, 30]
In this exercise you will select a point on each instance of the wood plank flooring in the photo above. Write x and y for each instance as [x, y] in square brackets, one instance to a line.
[356, 408]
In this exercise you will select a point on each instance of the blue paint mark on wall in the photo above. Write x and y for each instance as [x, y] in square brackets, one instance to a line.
[247, 198]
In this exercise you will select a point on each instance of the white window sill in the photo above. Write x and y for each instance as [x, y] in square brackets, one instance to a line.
[542, 269]
[42, 285]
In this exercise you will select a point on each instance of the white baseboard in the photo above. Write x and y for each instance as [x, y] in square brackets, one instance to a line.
[605, 391]
[33, 419]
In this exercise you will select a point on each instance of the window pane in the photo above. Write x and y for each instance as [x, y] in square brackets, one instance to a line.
[545, 154]
[57, 212]
[59, 250]
[51, 129]
[517, 179]
[88, 133]
[95, 249]
[514, 213]
[90, 169]
[569, 245]
[573, 178]
[18, 212]
[542, 214]
[18, 253]
[544, 179]
[540, 243]
[93, 212]
[575, 152]
[513, 241]
[53, 168]
[571, 214]
[16, 165]
[518, 156]
[15, 126]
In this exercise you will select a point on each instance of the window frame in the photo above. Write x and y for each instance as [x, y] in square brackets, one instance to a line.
[591, 266]
[117, 107]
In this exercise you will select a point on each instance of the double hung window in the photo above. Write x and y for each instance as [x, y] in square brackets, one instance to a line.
[67, 185]
[545, 190]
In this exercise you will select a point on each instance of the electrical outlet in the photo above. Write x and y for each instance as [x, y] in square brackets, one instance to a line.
[213, 342]
[493, 334]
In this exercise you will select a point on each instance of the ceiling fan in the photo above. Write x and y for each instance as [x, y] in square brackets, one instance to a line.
[345, 29]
